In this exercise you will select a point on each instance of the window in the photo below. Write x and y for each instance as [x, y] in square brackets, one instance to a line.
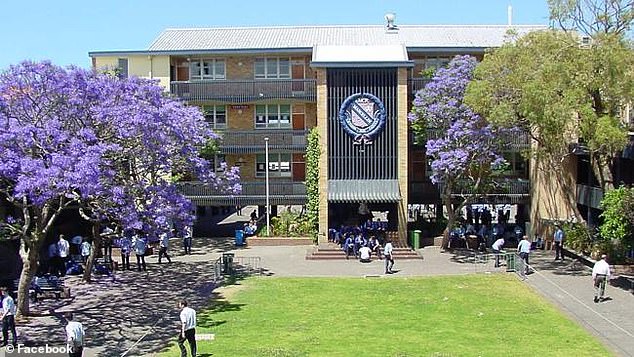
[217, 161]
[272, 68]
[216, 116]
[200, 69]
[436, 62]
[279, 165]
[273, 116]
[122, 68]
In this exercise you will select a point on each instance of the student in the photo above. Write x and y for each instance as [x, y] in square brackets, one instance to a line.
[187, 240]
[74, 337]
[524, 248]
[600, 275]
[188, 329]
[348, 245]
[497, 248]
[8, 317]
[126, 248]
[389, 258]
[558, 238]
[375, 246]
[63, 251]
[140, 246]
[85, 251]
[364, 254]
[163, 246]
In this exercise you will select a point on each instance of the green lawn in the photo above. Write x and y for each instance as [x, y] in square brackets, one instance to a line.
[476, 315]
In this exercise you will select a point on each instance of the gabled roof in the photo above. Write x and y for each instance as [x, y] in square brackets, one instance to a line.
[294, 37]
[424, 38]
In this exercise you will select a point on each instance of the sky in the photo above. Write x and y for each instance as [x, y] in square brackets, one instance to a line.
[64, 31]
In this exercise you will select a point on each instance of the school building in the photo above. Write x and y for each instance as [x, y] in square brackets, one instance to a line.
[355, 84]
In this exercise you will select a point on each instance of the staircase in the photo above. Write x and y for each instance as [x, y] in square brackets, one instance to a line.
[331, 251]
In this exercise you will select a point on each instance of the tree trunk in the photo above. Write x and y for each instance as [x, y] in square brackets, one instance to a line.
[451, 220]
[29, 268]
[94, 251]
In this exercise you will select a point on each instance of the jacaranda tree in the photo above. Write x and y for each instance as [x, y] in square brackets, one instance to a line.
[463, 148]
[76, 139]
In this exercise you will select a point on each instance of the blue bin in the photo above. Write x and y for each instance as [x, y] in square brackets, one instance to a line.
[239, 237]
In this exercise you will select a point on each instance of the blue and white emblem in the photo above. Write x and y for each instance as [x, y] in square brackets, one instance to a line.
[362, 116]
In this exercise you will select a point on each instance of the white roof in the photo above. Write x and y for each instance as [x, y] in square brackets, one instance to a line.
[359, 54]
[307, 37]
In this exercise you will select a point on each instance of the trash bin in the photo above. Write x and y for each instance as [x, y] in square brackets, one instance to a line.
[416, 238]
[227, 263]
[239, 237]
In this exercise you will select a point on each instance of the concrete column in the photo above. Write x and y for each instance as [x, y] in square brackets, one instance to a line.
[403, 151]
[322, 127]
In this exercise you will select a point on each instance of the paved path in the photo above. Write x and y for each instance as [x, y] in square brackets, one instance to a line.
[569, 285]
[117, 314]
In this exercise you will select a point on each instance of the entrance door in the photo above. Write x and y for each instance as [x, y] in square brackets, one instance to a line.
[297, 74]
[299, 117]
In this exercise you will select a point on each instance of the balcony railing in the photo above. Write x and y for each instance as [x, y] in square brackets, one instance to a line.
[416, 84]
[252, 141]
[242, 91]
[502, 187]
[515, 140]
[253, 193]
[589, 196]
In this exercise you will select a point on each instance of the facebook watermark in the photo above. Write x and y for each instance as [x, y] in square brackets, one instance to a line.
[45, 350]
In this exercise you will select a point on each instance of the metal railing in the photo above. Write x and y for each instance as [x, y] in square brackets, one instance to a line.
[250, 141]
[242, 91]
[589, 196]
[515, 140]
[519, 187]
[416, 84]
[253, 193]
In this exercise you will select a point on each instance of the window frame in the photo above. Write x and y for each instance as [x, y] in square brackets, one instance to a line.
[213, 109]
[273, 119]
[266, 64]
[280, 165]
[211, 64]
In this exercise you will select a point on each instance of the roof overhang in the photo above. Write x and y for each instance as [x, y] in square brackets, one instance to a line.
[361, 56]
[245, 51]
[363, 191]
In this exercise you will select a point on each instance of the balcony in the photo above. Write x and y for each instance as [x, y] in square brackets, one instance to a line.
[505, 190]
[416, 84]
[252, 141]
[253, 193]
[589, 196]
[243, 91]
[518, 140]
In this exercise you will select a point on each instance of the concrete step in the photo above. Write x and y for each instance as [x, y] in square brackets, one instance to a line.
[334, 252]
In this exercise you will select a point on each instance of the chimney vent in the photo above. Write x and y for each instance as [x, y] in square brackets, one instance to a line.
[389, 18]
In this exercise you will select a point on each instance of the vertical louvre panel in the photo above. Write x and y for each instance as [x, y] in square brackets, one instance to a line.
[347, 161]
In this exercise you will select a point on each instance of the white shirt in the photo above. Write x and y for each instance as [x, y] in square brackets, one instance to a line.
[63, 248]
[524, 246]
[188, 317]
[165, 240]
[85, 249]
[388, 249]
[498, 244]
[364, 252]
[75, 333]
[601, 268]
[8, 306]
[559, 235]
[139, 245]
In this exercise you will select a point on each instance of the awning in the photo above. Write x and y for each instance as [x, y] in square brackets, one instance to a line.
[361, 56]
[363, 191]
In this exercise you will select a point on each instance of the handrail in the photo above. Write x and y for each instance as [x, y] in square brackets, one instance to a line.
[245, 90]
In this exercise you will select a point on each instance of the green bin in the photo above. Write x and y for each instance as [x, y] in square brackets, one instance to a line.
[416, 239]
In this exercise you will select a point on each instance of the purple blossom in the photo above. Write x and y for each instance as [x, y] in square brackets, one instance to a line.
[102, 143]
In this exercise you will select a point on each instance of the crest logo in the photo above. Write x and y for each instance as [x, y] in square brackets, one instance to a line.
[362, 116]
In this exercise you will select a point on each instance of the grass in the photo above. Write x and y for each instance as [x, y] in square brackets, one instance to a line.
[475, 315]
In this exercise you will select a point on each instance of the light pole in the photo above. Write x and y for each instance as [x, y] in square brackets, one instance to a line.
[268, 204]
